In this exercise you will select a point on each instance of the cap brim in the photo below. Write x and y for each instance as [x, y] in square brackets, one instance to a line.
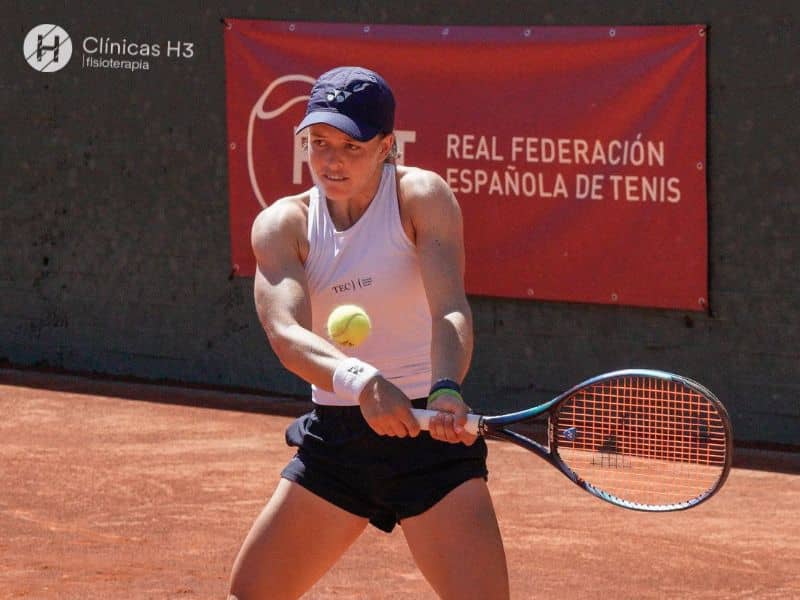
[341, 122]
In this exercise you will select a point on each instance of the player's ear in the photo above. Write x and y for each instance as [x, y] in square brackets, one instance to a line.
[387, 146]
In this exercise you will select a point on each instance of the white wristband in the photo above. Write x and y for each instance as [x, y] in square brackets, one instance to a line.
[351, 377]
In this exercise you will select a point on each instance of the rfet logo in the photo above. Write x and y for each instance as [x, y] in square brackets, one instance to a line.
[47, 48]
[283, 94]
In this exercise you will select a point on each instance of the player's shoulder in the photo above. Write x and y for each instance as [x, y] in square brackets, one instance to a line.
[281, 226]
[415, 182]
[285, 214]
[420, 181]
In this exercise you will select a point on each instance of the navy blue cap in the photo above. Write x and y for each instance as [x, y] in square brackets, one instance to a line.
[355, 100]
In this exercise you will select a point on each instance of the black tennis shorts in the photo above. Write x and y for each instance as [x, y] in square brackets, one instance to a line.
[385, 479]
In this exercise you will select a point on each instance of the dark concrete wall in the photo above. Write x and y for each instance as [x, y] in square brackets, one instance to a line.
[114, 250]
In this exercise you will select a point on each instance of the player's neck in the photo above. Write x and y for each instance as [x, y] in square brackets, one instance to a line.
[345, 212]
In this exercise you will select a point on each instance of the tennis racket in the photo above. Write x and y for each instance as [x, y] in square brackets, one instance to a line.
[641, 439]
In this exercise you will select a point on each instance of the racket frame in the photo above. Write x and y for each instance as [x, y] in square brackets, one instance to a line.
[496, 427]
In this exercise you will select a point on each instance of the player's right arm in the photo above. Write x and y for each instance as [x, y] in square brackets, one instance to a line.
[281, 293]
[283, 305]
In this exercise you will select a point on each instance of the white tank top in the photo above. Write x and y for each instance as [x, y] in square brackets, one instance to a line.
[372, 264]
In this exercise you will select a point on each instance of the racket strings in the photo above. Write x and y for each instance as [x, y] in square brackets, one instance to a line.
[643, 439]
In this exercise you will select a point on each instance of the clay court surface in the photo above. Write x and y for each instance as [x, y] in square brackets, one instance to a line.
[116, 490]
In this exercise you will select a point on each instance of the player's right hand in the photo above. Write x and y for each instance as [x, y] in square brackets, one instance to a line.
[387, 410]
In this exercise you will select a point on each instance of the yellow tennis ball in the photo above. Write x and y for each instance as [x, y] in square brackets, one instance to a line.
[348, 325]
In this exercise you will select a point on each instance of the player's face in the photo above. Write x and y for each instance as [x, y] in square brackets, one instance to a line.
[344, 168]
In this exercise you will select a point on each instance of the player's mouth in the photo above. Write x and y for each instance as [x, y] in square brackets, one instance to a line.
[334, 178]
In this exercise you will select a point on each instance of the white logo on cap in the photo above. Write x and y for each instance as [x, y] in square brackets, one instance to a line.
[341, 95]
[338, 95]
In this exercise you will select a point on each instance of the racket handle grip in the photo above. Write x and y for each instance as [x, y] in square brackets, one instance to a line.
[424, 416]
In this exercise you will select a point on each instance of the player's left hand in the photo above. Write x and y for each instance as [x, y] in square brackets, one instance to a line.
[448, 425]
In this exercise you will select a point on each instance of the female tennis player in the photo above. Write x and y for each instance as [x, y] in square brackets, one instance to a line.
[389, 239]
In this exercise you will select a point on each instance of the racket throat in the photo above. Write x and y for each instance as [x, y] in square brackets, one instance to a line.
[509, 435]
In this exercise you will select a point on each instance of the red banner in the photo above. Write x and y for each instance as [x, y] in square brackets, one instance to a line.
[577, 153]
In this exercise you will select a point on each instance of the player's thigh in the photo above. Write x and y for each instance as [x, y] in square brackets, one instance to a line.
[457, 545]
[293, 542]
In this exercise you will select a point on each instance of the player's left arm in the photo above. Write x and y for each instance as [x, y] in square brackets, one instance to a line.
[438, 234]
